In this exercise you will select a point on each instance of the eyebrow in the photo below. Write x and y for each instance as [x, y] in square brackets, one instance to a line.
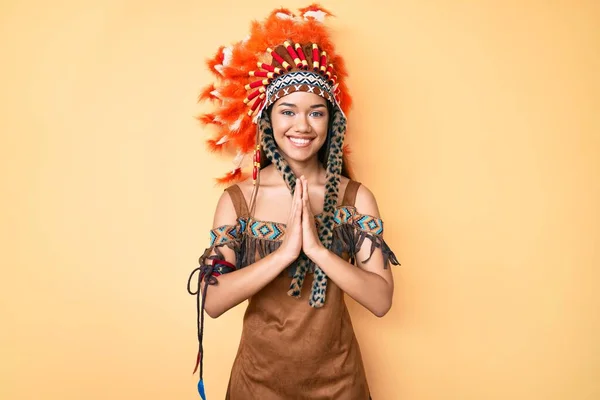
[293, 105]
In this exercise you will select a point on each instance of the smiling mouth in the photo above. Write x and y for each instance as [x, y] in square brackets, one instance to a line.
[300, 142]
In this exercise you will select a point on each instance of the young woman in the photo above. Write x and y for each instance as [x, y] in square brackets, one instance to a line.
[300, 216]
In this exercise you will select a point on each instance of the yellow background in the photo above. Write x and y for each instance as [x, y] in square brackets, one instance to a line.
[475, 124]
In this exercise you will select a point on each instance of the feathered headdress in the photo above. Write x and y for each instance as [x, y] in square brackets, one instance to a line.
[245, 71]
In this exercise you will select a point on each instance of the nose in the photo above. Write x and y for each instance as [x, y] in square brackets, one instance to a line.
[301, 124]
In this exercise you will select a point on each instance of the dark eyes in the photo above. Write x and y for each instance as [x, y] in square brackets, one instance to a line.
[315, 114]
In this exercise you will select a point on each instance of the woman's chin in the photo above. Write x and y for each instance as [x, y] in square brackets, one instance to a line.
[300, 154]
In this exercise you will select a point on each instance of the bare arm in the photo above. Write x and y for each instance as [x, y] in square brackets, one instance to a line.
[370, 285]
[373, 290]
[235, 287]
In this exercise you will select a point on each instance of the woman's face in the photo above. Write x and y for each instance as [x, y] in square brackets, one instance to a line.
[300, 122]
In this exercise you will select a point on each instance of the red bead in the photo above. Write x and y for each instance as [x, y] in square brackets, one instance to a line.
[257, 156]
[254, 173]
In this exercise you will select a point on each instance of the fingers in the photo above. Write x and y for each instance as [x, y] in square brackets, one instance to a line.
[298, 199]
[306, 211]
[299, 187]
[305, 199]
[305, 192]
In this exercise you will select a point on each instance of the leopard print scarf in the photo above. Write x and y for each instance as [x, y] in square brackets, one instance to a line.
[325, 230]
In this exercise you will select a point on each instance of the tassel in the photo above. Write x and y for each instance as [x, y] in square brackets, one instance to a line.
[201, 389]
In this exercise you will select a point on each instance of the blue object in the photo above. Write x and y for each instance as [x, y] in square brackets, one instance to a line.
[201, 389]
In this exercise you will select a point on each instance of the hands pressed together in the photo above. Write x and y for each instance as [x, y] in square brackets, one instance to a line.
[301, 231]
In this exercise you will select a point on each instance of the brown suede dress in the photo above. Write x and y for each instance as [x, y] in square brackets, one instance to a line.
[289, 350]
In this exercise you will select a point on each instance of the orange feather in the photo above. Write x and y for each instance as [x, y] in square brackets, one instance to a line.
[233, 90]
[231, 111]
[206, 93]
[216, 60]
[231, 72]
[231, 177]
[246, 140]
[206, 118]
[213, 146]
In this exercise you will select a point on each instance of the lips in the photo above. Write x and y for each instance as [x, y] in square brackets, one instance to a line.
[300, 141]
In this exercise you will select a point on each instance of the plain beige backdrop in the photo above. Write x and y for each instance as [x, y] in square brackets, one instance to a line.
[476, 124]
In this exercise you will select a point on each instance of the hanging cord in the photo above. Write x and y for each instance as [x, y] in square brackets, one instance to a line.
[206, 273]
[257, 182]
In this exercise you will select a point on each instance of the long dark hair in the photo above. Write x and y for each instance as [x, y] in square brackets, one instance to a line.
[323, 153]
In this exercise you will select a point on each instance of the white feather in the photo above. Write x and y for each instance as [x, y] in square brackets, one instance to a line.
[281, 15]
[318, 15]
[236, 125]
[227, 55]
[224, 139]
[239, 157]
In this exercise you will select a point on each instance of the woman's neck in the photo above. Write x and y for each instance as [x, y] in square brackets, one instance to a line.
[312, 169]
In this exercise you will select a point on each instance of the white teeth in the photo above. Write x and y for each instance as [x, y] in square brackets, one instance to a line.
[300, 141]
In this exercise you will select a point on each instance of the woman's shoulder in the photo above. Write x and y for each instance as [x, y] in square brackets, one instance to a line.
[365, 202]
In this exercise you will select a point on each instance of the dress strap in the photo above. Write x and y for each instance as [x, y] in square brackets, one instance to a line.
[239, 202]
[350, 193]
